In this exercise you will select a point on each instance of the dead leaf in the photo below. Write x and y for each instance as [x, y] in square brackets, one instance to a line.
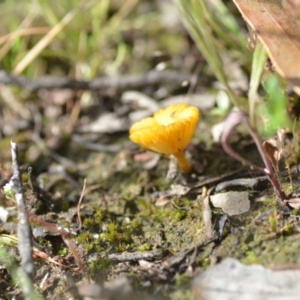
[163, 200]
[143, 156]
[273, 155]
[293, 7]
[179, 189]
[148, 158]
[278, 32]
[294, 203]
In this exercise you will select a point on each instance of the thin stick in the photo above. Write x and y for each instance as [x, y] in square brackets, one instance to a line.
[78, 206]
[118, 83]
[24, 230]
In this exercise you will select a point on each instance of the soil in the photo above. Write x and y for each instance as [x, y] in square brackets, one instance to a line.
[135, 226]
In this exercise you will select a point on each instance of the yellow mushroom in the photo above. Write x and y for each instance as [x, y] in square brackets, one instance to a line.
[168, 132]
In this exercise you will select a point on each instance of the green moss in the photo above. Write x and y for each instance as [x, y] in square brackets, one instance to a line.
[245, 247]
[287, 188]
[144, 247]
[117, 236]
[84, 237]
[181, 279]
[136, 223]
[94, 222]
[288, 230]
[132, 191]
[87, 240]
[89, 223]
[127, 233]
[146, 208]
[251, 258]
[121, 247]
[60, 289]
[44, 243]
[178, 215]
[205, 262]
[273, 222]
[161, 183]
[295, 212]
[98, 216]
[162, 214]
[63, 251]
[112, 234]
[181, 294]
[98, 265]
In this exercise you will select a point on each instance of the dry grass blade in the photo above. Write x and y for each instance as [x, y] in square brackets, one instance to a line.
[46, 40]
[278, 32]
[23, 32]
[76, 256]
[196, 17]
[9, 40]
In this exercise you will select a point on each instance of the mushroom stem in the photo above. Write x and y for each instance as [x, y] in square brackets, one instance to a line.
[183, 163]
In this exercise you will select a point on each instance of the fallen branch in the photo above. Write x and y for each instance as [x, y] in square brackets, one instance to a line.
[100, 83]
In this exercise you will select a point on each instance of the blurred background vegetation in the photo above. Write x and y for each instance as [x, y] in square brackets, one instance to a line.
[92, 37]
[86, 39]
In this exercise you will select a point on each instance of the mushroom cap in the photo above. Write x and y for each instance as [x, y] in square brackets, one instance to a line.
[169, 131]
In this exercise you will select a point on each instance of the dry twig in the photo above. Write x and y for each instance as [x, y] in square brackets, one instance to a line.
[134, 256]
[24, 230]
[100, 83]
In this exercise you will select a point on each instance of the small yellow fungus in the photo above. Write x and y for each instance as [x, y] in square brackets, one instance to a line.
[168, 132]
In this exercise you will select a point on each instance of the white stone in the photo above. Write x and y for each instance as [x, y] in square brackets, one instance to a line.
[232, 203]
